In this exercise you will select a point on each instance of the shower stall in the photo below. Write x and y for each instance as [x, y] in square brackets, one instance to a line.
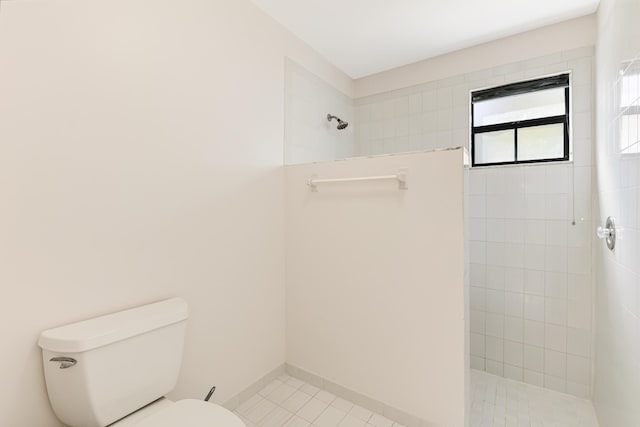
[517, 329]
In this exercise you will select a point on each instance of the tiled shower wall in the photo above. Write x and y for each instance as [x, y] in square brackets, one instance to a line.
[530, 266]
[617, 370]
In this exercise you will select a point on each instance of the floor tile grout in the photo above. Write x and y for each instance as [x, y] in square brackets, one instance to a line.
[495, 402]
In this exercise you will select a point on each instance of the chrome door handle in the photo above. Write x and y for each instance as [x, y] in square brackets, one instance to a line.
[65, 362]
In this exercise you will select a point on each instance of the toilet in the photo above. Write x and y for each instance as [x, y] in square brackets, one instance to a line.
[115, 370]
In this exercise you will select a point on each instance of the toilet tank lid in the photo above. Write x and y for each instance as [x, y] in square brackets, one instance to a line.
[104, 330]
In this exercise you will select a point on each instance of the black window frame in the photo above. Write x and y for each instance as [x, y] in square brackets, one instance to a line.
[529, 86]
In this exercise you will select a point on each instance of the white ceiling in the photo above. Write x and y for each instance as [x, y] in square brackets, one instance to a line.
[363, 37]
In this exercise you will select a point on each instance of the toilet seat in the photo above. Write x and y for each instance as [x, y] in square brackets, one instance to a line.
[192, 413]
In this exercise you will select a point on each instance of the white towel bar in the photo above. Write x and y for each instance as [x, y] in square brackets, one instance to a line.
[401, 177]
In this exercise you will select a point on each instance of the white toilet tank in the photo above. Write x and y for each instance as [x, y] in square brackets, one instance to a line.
[110, 366]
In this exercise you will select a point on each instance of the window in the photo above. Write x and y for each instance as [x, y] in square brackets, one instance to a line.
[629, 116]
[523, 122]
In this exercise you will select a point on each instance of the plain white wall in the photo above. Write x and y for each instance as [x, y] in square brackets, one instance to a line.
[617, 372]
[141, 145]
[375, 294]
[308, 135]
[566, 35]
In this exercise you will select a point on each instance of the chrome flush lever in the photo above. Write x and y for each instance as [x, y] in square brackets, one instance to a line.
[65, 362]
[206, 399]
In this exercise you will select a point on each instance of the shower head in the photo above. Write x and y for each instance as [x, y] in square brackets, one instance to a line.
[341, 123]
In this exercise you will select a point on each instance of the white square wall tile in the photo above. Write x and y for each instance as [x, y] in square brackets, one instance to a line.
[495, 277]
[514, 279]
[494, 301]
[514, 255]
[477, 275]
[477, 252]
[477, 298]
[534, 282]
[477, 363]
[555, 363]
[535, 207]
[555, 311]
[556, 232]
[533, 358]
[513, 372]
[495, 253]
[477, 345]
[513, 353]
[494, 325]
[579, 314]
[534, 378]
[535, 231]
[514, 329]
[494, 348]
[514, 231]
[578, 369]
[496, 205]
[579, 342]
[555, 338]
[535, 179]
[534, 333]
[555, 383]
[534, 257]
[477, 321]
[534, 308]
[557, 179]
[495, 368]
[556, 259]
[495, 230]
[514, 304]
[579, 260]
[495, 181]
[555, 284]
[514, 180]
[556, 206]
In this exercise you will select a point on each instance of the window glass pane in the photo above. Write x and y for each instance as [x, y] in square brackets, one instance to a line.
[630, 91]
[630, 133]
[534, 105]
[541, 142]
[495, 147]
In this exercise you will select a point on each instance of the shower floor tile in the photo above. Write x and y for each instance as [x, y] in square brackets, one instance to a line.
[495, 402]
[499, 402]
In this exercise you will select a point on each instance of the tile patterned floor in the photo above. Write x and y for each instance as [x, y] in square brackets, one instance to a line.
[496, 402]
[289, 402]
[499, 402]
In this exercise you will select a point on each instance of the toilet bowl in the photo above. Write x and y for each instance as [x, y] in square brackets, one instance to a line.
[115, 370]
[183, 413]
